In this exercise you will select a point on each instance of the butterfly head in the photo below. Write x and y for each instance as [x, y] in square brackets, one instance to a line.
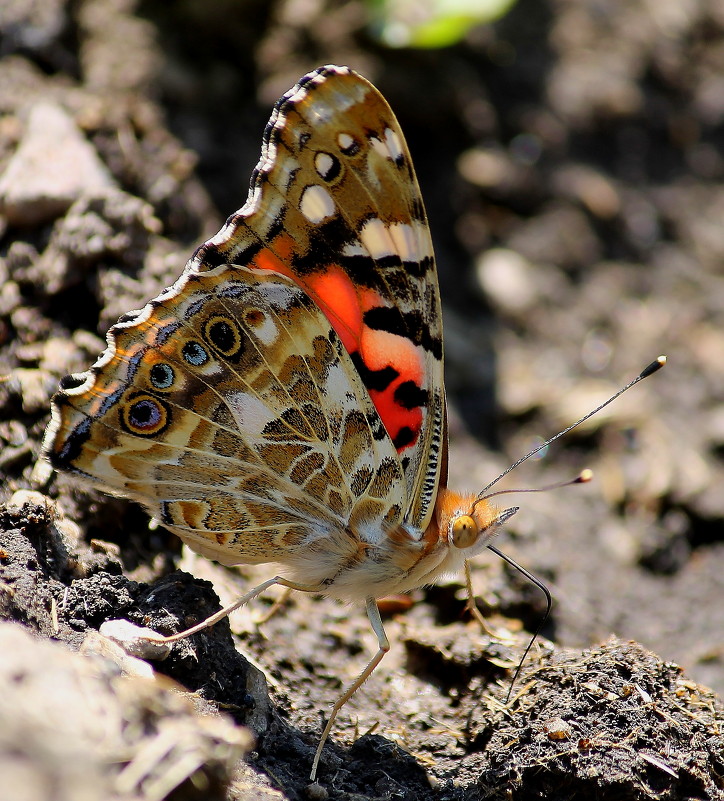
[467, 523]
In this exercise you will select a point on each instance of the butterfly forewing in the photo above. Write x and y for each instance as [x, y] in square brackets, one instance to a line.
[334, 203]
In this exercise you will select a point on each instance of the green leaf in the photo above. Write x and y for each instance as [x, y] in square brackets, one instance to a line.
[432, 23]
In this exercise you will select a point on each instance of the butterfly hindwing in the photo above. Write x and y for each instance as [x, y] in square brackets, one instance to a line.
[233, 413]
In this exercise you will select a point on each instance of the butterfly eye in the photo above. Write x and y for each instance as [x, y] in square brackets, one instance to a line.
[223, 333]
[194, 354]
[464, 531]
[146, 416]
[162, 376]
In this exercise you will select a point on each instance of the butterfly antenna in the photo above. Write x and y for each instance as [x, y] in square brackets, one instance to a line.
[645, 373]
[549, 602]
[582, 478]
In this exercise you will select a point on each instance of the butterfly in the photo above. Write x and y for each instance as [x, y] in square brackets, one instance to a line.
[283, 401]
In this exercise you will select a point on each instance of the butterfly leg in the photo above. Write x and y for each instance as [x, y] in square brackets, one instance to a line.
[373, 613]
[275, 607]
[472, 607]
[227, 610]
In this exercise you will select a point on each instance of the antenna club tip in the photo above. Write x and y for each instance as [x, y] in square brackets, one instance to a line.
[585, 476]
[653, 367]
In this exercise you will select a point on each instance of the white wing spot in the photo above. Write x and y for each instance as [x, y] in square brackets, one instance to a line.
[316, 203]
[324, 164]
[380, 147]
[394, 145]
[281, 296]
[287, 170]
[264, 329]
[405, 241]
[390, 147]
[408, 241]
[375, 236]
[345, 141]
[422, 237]
[354, 248]
[251, 414]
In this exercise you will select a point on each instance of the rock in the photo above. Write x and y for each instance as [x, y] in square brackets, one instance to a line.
[73, 727]
[53, 166]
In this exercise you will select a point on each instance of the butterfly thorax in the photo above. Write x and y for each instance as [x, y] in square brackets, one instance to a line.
[403, 559]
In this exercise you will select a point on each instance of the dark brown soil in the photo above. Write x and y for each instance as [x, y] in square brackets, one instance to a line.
[571, 161]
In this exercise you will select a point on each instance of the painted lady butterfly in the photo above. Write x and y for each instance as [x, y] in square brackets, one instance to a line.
[283, 401]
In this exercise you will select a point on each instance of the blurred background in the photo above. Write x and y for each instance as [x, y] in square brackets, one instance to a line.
[571, 158]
